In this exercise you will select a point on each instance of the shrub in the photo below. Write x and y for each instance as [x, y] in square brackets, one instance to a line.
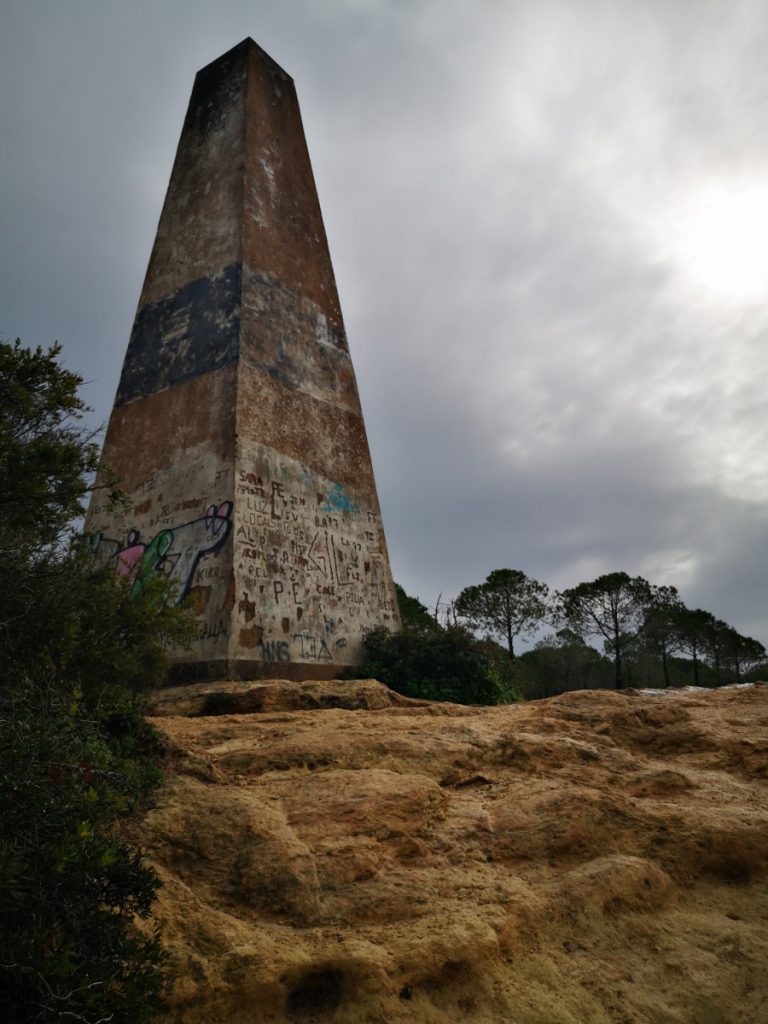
[69, 883]
[445, 664]
[76, 756]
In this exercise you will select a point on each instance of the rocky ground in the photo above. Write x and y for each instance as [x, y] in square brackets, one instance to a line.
[331, 852]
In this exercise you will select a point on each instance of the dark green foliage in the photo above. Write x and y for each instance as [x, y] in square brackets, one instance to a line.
[711, 641]
[643, 628]
[659, 636]
[45, 457]
[562, 662]
[692, 626]
[63, 620]
[612, 607]
[681, 674]
[69, 884]
[757, 673]
[716, 634]
[76, 756]
[503, 669]
[59, 619]
[447, 664]
[507, 605]
[643, 670]
[414, 616]
[742, 652]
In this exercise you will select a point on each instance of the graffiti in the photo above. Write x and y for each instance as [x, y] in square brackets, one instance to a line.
[275, 650]
[310, 558]
[312, 646]
[174, 552]
[213, 632]
[306, 555]
[337, 500]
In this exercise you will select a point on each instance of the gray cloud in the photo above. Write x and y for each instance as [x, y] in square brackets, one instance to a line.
[510, 193]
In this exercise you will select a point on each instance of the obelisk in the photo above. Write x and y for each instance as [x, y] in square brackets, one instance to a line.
[237, 428]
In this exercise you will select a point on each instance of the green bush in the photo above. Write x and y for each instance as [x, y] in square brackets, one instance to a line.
[445, 664]
[70, 885]
[77, 758]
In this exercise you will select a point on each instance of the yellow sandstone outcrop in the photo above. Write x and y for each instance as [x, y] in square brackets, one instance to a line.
[332, 852]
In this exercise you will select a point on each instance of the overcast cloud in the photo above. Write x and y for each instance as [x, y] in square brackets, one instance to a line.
[549, 226]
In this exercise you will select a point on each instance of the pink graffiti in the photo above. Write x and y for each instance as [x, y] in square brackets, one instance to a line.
[174, 552]
[129, 557]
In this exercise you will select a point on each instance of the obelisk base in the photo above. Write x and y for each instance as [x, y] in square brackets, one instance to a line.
[242, 670]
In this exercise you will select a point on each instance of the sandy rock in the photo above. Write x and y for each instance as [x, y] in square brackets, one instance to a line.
[230, 698]
[596, 858]
[612, 885]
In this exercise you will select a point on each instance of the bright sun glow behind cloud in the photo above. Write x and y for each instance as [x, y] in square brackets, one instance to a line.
[719, 239]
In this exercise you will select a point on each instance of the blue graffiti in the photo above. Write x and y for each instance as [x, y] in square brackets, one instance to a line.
[337, 500]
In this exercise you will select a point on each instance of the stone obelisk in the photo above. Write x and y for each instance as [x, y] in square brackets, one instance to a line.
[237, 428]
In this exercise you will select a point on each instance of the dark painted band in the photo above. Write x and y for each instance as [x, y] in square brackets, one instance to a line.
[208, 323]
[191, 332]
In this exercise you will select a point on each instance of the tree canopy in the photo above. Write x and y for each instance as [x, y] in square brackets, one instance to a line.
[414, 616]
[659, 631]
[507, 605]
[612, 607]
[45, 456]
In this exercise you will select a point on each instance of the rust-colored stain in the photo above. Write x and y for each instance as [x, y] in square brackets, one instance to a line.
[247, 608]
[329, 439]
[145, 436]
[251, 637]
[200, 229]
[282, 223]
[199, 598]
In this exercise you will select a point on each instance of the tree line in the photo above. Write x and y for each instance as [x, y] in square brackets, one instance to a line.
[646, 631]
[464, 650]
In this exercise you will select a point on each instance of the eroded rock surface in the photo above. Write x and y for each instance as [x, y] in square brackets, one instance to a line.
[210, 699]
[596, 858]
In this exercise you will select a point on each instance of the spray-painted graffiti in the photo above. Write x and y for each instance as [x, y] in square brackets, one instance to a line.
[337, 500]
[173, 552]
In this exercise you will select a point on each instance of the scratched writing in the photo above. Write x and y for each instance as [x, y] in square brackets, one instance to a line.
[313, 554]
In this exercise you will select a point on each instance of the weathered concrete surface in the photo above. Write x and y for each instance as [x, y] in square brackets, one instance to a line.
[596, 857]
[237, 425]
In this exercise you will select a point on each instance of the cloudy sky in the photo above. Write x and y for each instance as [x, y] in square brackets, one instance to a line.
[549, 226]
